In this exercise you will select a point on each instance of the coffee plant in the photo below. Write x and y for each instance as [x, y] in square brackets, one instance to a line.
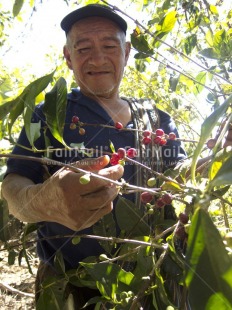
[184, 263]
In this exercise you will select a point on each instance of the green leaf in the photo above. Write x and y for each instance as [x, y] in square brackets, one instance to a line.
[6, 108]
[106, 227]
[55, 109]
[16, 111]
[144, 266]
[59, 263]
[189, 43]
[219, 38]
[208, 270]
[166, 5]
[26, 101]
[33, 131]
[112, 148]
[170, 186]
[201, 78]
[173, 81]
[18, 4]
[206, 129]
[168, 22]
[140, 65]
[218, 301]
[213, 9]
[162, 294]
[224, 175]
[29, 228]
[210, 53]
[70, 303]
[11, 257]
[140, 43]
[52, 294]
[218, 160]
[209, 38]
[130, 218]
[219, 192]
[141, 55]
[112, 278]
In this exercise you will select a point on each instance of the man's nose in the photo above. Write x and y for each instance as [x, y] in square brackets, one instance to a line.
[97, 57]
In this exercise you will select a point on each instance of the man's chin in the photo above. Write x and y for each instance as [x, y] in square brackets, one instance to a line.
[106, 93]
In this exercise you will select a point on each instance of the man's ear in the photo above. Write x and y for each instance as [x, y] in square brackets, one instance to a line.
[127, 51]
[67, 56]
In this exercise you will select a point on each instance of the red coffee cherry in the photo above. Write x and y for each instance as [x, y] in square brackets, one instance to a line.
[159, 132]
[146, 197]
[172, 136]
[146, 133]
[163, 141]
[183, 218]
[146, 140]
[211, 143]
[131, 153]
[118, 125]
[75, 119]
[181, 233]
[121, 153]
[157, 140]
[114, 159]
[167, 198]
[159, 203]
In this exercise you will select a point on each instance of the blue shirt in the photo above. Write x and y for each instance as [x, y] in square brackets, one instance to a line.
[97, 138]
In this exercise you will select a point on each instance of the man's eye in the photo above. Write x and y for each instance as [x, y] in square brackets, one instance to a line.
[110, 46]
[83, 50]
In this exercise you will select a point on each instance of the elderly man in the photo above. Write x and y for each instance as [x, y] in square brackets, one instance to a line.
[97, 52]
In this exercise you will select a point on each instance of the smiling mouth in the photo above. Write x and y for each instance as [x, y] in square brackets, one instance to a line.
[98, 73]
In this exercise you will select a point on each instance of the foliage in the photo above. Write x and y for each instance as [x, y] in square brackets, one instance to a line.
[182, 55]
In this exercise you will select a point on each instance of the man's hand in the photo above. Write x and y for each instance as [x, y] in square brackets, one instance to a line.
[62, 198]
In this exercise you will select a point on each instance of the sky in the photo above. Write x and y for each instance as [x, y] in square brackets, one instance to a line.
[33, 37]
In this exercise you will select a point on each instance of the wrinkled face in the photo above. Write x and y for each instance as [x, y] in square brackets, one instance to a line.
[97, 53]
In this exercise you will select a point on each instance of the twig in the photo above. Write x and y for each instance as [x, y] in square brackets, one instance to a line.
[169, 66]
[15, 291]
[123, 184]
[149, 280]
[165, 43]
[226, 221]
[100, 238]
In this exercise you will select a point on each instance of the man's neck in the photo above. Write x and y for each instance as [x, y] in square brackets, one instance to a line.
[117, 108]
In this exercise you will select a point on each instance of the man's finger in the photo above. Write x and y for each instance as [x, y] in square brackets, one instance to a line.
[95, 184]
[93, 164]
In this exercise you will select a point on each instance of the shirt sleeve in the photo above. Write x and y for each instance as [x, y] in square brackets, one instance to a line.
[173, 151]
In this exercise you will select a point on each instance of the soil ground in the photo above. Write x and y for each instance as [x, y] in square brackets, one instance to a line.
[18, 278]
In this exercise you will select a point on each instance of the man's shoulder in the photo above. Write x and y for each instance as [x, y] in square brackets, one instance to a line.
[75, 94]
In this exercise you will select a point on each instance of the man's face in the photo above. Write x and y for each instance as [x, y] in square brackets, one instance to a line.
[97, 53]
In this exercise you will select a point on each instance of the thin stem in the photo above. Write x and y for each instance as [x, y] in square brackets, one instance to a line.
[99, 238]
[158, 174]
[123, 185]
[149, 280]
[180, 72]
[165, 43]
